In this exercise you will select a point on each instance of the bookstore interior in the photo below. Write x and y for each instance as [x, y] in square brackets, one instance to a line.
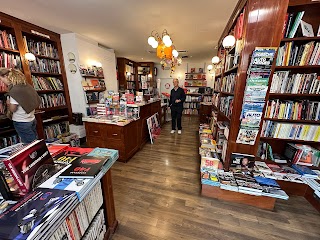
[251, 113]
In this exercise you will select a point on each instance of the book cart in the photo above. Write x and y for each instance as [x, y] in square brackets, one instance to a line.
[263, 23]
[46, 74]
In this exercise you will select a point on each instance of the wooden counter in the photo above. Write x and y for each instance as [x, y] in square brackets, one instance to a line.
[127, 139]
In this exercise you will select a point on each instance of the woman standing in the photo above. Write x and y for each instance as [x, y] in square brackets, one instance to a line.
[22, 103]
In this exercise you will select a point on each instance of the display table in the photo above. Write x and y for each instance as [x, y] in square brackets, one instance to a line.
[256, 201]
[128, 138]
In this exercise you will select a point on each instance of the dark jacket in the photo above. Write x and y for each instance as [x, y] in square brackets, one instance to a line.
[175, 95]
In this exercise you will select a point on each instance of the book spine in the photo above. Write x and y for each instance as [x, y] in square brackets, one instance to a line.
[15, 174]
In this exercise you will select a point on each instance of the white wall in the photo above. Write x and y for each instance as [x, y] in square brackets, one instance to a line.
[164, 75]
[86, 51]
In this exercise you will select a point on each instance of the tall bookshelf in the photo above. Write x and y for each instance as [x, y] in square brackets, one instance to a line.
[145, 73]
[131, 74]
[311, 16]
[262, 17]
[8, 50]
[228, 104]
[41, 38]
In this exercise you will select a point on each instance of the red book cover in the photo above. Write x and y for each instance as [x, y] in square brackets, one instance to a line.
[30, 166]
[55, 149]
[84, 167]
[71, 154]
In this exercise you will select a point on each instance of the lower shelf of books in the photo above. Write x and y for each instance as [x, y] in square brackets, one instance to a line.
[256, 201]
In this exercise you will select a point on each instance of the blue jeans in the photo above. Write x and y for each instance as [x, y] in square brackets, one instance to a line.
[26, 130]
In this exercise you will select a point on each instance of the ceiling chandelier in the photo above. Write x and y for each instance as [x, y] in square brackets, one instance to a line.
[166, 51]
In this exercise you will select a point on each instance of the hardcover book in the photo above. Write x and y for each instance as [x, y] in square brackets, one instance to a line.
[31, 166]
[84, 167]
[34, 213]
[71, 154]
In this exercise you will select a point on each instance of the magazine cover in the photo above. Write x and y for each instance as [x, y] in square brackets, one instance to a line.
[71, 154]
[84, 167]
[31, 166]
[104, 152]
[247, 136]
[35, 211]
[70, 184]
[251, 114]
[255, 93]
[209, 164]
[245, 160]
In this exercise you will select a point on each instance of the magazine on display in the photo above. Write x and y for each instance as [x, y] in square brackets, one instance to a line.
[70, 154]
[84, 167]
[247, 136]
[30, 216]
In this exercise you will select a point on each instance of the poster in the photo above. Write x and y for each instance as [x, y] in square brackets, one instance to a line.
[153, 127]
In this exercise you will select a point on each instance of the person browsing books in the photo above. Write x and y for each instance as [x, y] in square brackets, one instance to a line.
[177, 98]
[22, 103]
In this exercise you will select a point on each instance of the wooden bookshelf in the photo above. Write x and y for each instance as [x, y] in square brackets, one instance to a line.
[47, 74]
[292, 121]
[231, 70]
[95, 90]
[292, 95]
[271, 19]
[10, 130]
[53, 108]
[227, 93]
[8, 50]
[49, 91]
[287, 140]
[301, 39]
[19, 29]
[45, 57]
[297, 67]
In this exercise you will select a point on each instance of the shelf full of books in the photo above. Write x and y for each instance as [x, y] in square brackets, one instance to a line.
[62, 197]
[46, 74]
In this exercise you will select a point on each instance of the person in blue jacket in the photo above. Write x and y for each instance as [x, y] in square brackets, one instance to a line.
[177, 98]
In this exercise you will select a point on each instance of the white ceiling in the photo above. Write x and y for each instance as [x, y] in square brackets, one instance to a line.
[124, 25]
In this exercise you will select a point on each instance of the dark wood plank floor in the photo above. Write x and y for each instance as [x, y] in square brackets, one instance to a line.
[157, 196]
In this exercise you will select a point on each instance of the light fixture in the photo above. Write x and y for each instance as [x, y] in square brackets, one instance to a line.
[168, 43]
[166, 51]
[128, 73]
[30, 57]
[151, 40]
[215, 60]
[210, 67]
[228, 41]
[155, 44]
[98, 64]
[175, 53]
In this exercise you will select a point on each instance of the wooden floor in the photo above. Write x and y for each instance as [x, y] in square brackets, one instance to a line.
[157, 197]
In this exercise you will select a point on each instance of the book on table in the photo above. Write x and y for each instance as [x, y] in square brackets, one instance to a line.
[84, 167]
[31, 166]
